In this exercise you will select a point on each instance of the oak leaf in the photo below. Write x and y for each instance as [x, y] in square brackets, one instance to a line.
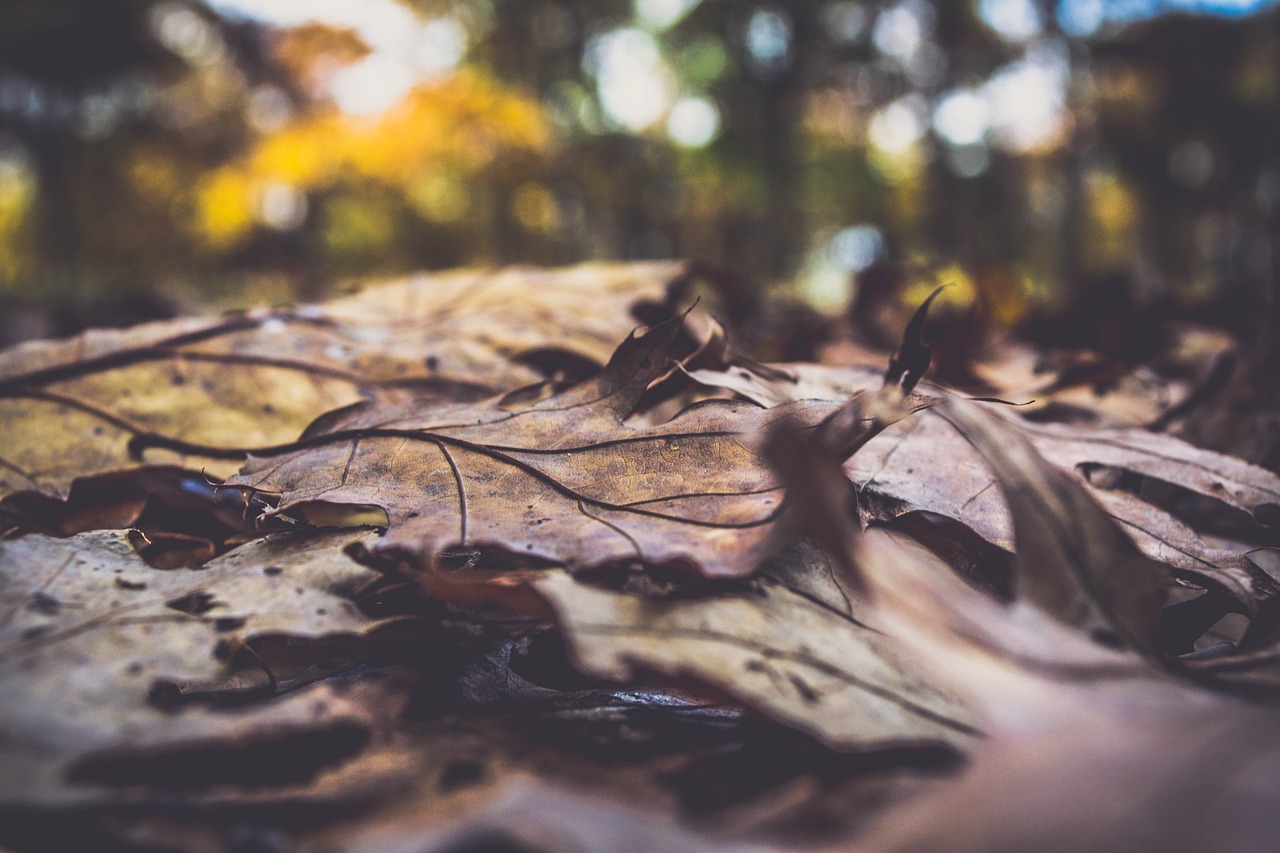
[1074, 727]
[562, 479]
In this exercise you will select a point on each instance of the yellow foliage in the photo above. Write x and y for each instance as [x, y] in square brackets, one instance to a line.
[535, 207]
[355, 223]
[961, 291]
[17, 192]
[224, 212]
[440, 196]
[1002, 299]
[456, 127]
[1113, 216]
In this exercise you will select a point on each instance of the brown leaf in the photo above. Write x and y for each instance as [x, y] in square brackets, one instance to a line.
[1089, 748]
[258, 379]
[1071, 559]
[561, 479]
[921, 463]
[1086, 386]
[910, 361]
[94, 644]
[1075, 728]
[800, 660]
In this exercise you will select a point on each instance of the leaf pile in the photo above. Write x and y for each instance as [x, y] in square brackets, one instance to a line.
[464, 561]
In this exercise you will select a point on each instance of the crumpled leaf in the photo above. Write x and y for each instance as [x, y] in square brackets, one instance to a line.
[1086, 386]
[561, 479]
[1072, 561]
[910, 361]
[1075, 728]
[805, 662]
[259, 378]
[96, 646]
[922, 464]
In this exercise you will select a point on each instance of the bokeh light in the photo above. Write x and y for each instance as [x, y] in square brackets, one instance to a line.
[280, 145]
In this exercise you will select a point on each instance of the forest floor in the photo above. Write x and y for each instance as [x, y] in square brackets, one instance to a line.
[557, 560]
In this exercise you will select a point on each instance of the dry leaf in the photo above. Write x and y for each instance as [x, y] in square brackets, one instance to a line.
[561, 479]
[260, 378]
[922, 463]
[786, 653]
[1084, 386]
[1089, 747]
[1072, 560]
[95, 645]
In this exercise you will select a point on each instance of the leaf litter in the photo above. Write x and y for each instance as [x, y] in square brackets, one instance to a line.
[732, 683]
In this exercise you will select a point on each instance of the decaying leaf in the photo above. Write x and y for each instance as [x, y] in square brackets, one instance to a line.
[1090, 747]
[561, 480]
[900, 471]
[910, 361]
[97, 648]
[922, 464]
[258, 379]
[566, 478]
[802, 661]
[1084, 386]
[130, 686]
[1072, 561]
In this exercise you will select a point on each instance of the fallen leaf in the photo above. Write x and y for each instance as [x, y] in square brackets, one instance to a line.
[802, 661]
[259, 378]
[922, 464]
[562, 479]
[1089, 747]
[96, 646]
[1088, 387]
[1072, 560]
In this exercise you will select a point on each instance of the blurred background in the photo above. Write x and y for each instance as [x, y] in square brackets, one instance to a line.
[1052, 157]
